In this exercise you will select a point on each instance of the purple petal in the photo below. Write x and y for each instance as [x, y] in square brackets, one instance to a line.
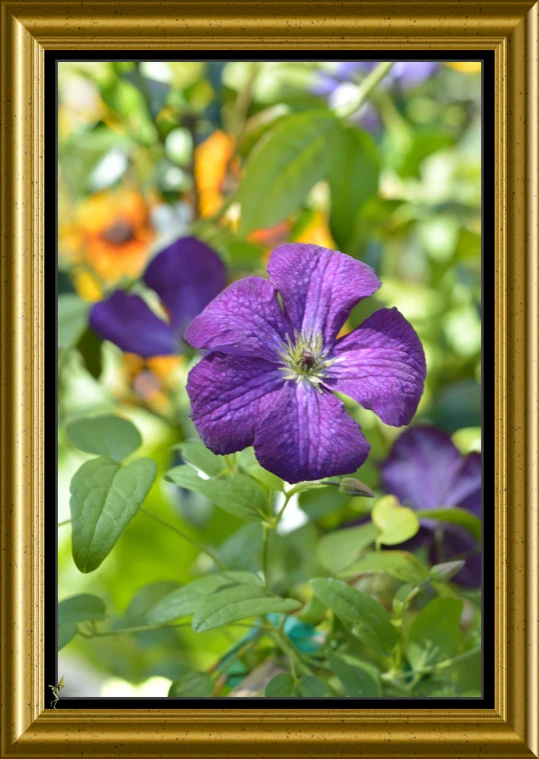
[423, 467]
[308, 435]
[128, 322]
[456, 542]
[245, 319]
[465, 489]
[187, 276]
[324, 84]
[229, 395]
[413, 73]
[319, 287]
[381, 365]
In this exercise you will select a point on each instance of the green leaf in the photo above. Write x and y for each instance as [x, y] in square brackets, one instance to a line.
[281, 685]
[146, 598]
[193, 685]
[81, 608]
[312, 687]
[424, 144]
[65, 634]
[240, 602]
[435, 633]
[105, 496]
[401, 565]
[447, 570]
[72, 319]
[284, 167]
[353, 606]
[106, 435]
[236, 494]
[358, 677]
[268, 479]
[341, 548]
[198, 455]
[455, 515]
[89, 347]
[395, 523]
[353, 179]
[182, 602]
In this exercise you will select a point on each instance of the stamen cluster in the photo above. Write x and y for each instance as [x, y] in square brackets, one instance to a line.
[304, 358]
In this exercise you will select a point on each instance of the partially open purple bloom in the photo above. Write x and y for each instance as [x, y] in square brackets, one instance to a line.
[426, 471]
[186, 276]
[272, 370]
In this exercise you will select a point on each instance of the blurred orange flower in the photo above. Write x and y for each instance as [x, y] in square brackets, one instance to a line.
[213, 165]
[148, 382]
[111, 233]
[465, 67]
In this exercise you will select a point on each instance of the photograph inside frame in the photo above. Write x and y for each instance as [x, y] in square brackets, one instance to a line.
[269, 380]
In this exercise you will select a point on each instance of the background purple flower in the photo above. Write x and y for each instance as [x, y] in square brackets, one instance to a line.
[186, 276]
[406, 74]
[427, 471]
[269, 379]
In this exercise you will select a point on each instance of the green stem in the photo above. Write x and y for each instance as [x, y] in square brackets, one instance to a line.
[195, 543]
[66, 521]
[146, 628]
[365, 88]
[265, 554]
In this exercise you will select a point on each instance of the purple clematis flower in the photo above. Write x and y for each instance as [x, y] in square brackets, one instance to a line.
[186, 276]
[272, 370]
[427, 471]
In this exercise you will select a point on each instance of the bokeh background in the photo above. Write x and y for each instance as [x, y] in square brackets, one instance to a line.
[152, 151]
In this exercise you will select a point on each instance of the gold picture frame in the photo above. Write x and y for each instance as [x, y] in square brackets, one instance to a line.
[509, 28]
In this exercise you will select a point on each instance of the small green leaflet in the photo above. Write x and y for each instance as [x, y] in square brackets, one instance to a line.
[81, 608]
[236, 494]
[462, 517]
[239, 602]
[182, 602]
[268, 479]
[395, 523]
[282, 685]
[65, 634]
[360, 678]
[447, 570]
[193, 685]
[355, 607]
[284, 166]
[106, 435]
[105, 496]
[435, 633]
[312, 687]
[337, 550]
[199, 456]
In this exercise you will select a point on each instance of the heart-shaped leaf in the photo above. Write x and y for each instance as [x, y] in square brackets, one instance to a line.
[106, 435]
[395, 523]
[312, 687]
[105, 496]
[65, 634]
[402, 565]
[182, 602]
[282, 685]
[199, 456]
[239, 602]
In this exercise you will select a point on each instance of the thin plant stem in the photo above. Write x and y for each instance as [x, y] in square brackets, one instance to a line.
[66, 521]
[195, 543]
[365, 88]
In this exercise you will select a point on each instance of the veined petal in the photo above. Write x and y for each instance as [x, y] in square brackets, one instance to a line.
[308, 435]
[465, 489]
[423, 467]
[381, 365]
[245, 319]
[229, 395]
[187, 276]
[128, 322]
[319, 287]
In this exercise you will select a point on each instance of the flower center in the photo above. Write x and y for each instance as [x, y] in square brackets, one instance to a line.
[120, 232]
[304, 358]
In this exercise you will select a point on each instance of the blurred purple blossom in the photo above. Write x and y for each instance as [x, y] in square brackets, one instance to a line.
[186, 276]
[425, 470]
[272, 370]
